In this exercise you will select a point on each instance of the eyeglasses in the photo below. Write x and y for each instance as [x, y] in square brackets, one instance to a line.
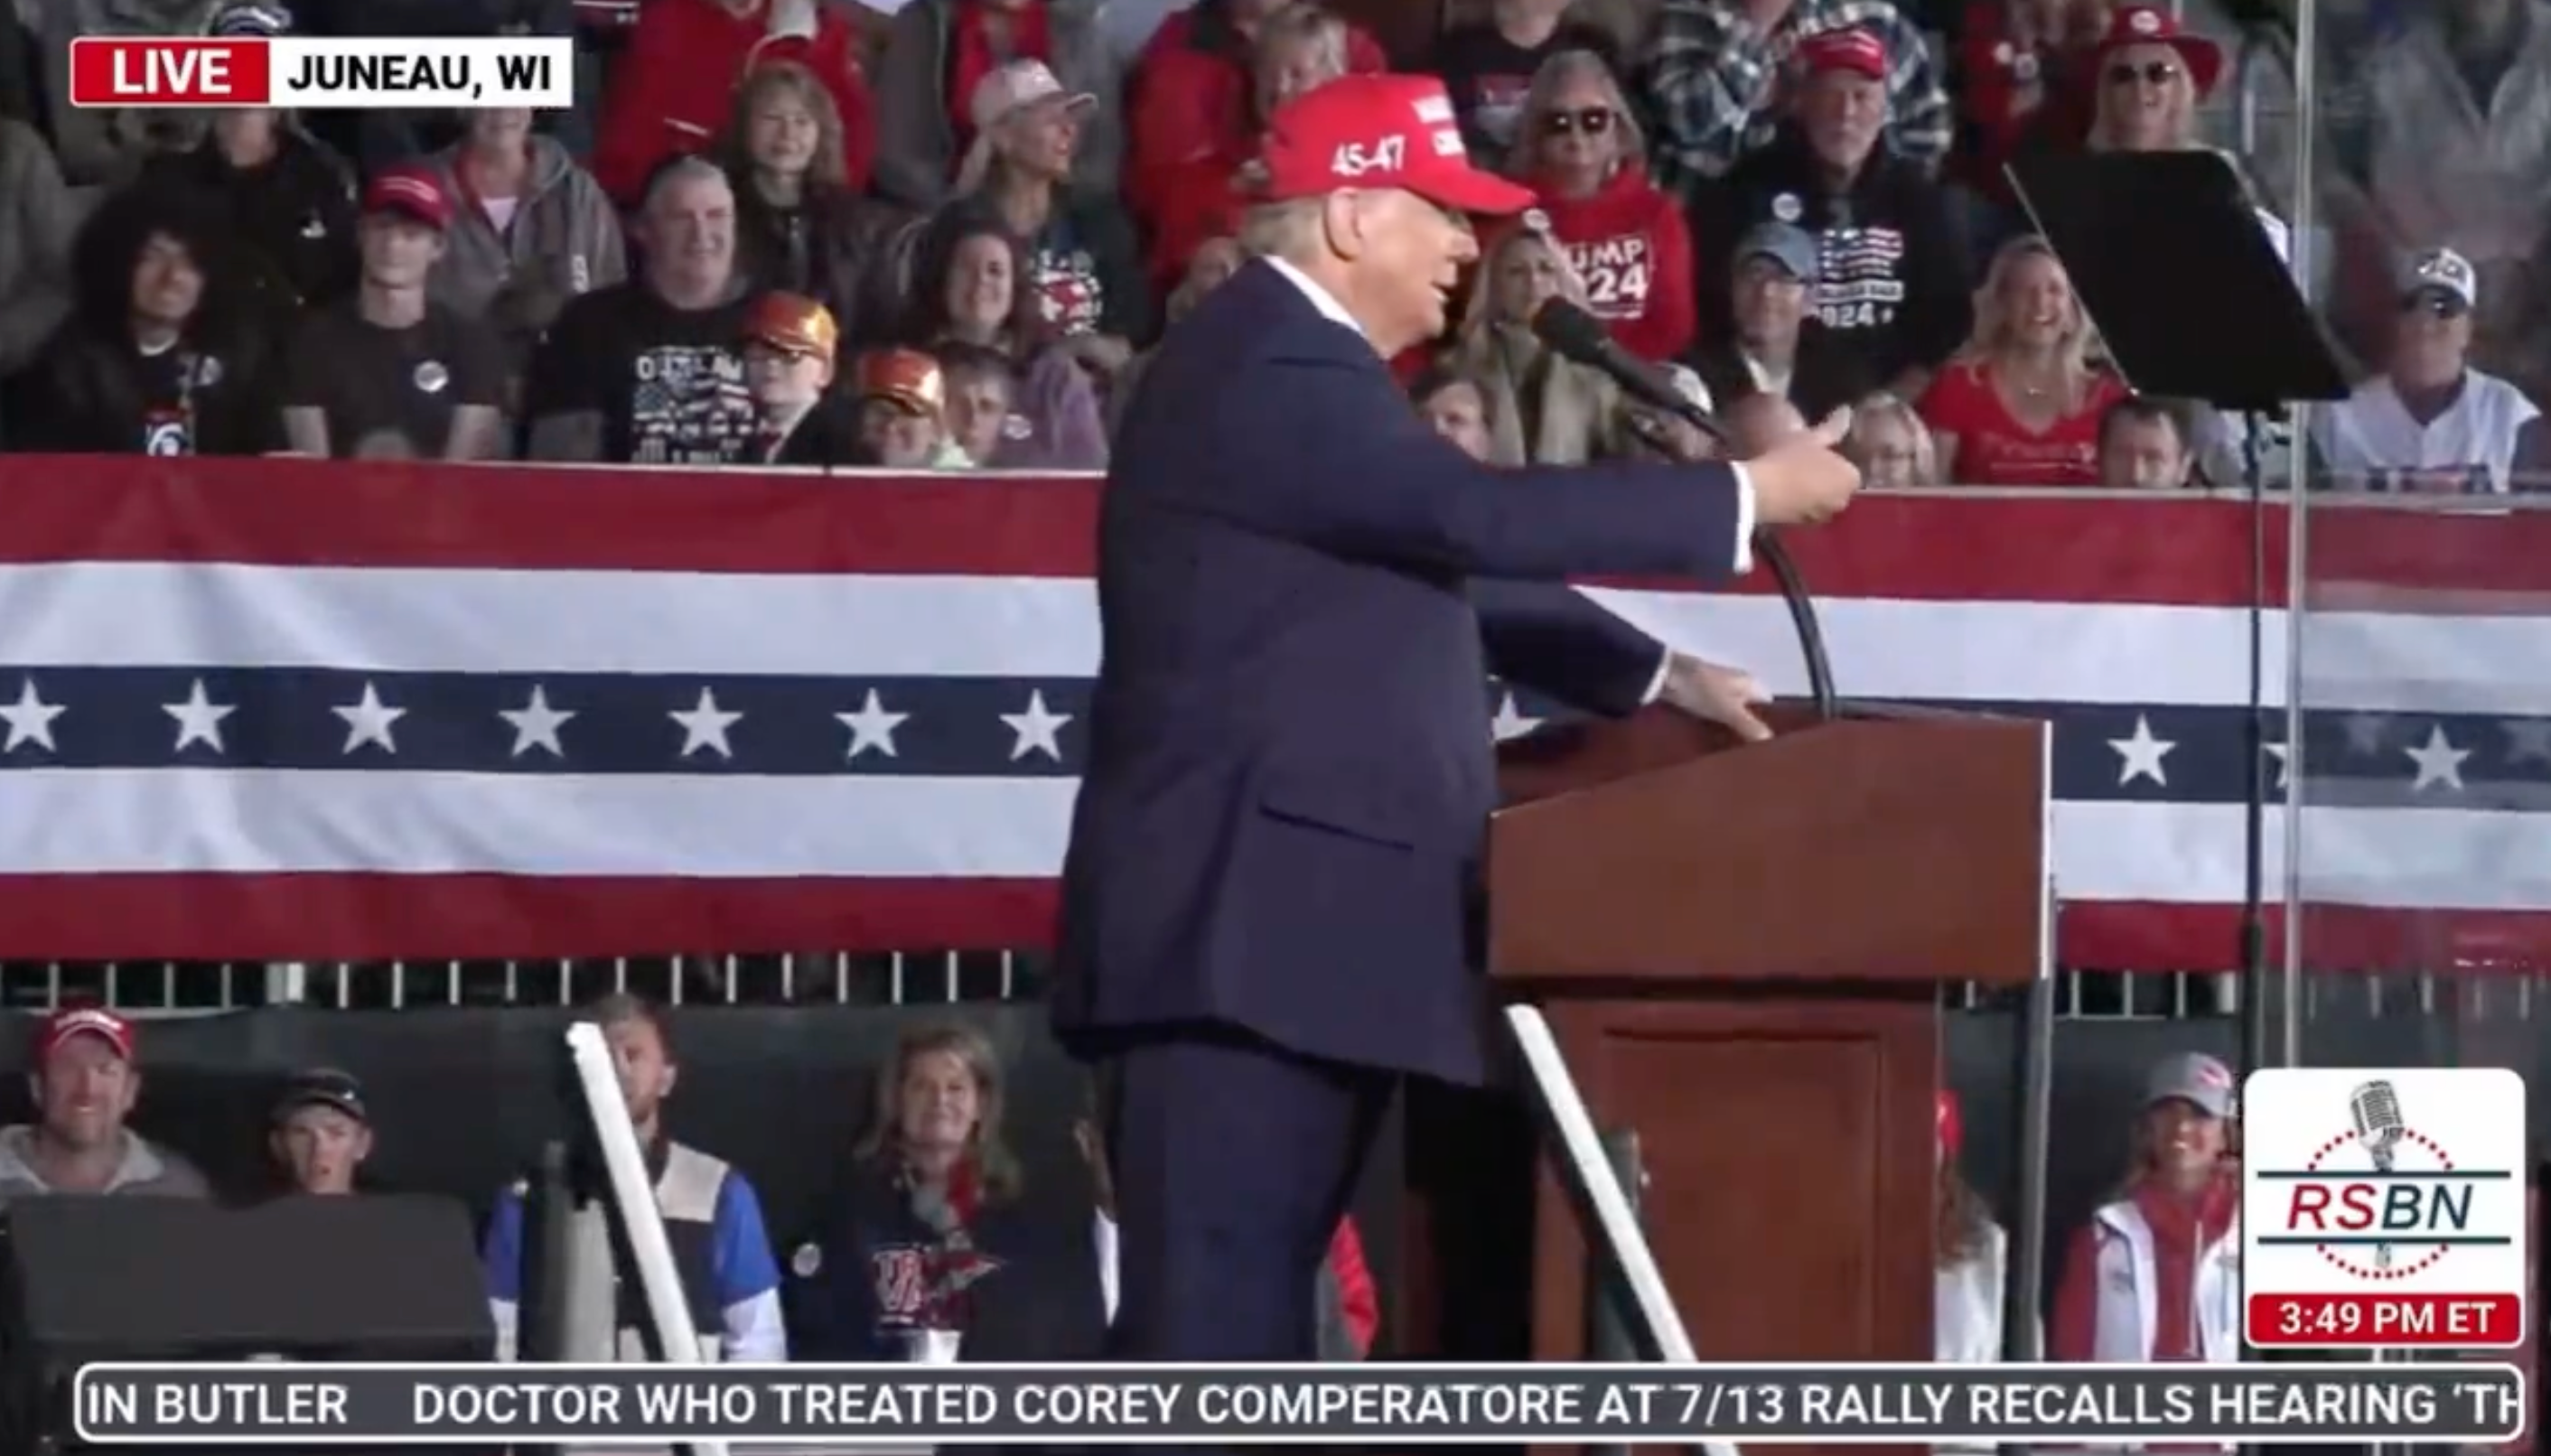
[2152, 73]
[1594, 121]
[2435, 304]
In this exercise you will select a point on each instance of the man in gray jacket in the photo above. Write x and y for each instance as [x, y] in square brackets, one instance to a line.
[85, 1083]
[531, 230]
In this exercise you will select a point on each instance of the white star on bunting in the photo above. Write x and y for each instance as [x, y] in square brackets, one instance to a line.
[29, 719]
[871, 727]
[368, 720]
[2142, 755]
[537, 724]
[1039, 730]
[1511, 721]
[2439, 762]
[199, 720]
[705, 726]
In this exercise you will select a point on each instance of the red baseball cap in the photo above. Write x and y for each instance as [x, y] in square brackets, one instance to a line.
[72, 1022]
[2150, 25]
[1376, 132]
[1851, 50]
[413, 191]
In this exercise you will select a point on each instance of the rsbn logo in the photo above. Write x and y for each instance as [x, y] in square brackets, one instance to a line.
[2382, 1199]
[2384, 1206]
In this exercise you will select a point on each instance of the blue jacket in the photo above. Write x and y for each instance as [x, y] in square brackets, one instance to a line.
[1289, 774]
[856, 1285]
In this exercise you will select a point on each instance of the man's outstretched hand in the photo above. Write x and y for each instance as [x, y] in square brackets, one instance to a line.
[1714, 694]
[1804, 480]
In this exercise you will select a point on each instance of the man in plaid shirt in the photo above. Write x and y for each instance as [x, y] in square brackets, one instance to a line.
[1714, 81]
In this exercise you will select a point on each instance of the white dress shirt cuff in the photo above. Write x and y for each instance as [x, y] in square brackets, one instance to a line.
[1744, 519]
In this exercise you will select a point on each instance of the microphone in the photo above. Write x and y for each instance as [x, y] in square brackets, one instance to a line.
[2376, 1106]
[1576, 335]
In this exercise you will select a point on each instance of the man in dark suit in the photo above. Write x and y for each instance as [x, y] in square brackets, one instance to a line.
[1267, 903]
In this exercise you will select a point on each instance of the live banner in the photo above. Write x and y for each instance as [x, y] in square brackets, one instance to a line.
[275, 1403]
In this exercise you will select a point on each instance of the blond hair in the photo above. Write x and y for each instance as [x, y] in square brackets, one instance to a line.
[994, 1165]
[1886, 409]
[2079, 348]
[1312, 24]
[1547, 81]
[785, 78]
[1480, 306]
[2183, 111]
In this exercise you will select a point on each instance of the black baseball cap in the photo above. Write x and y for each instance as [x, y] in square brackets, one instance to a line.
[323, 1087]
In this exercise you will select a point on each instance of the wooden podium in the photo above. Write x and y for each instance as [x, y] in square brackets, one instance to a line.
[1739, 949]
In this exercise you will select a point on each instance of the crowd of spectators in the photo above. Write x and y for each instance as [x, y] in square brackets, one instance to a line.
[928, 1246]
[929, 1235]
[943, 234]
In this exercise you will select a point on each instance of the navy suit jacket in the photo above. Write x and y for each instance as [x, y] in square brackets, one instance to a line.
[1288, 772]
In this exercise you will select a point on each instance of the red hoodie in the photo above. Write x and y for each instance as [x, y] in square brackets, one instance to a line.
[1996, 76]
[1196, 202]
[1632, 248]
[1189, 100]
[671, 89]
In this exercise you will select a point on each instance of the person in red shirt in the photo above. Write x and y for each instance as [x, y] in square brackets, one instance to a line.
[672, 87]
[1299, 47]
[1192, 93]
[2021, 403]
[1579, 149]
[2019, 64]
[2155, 1274]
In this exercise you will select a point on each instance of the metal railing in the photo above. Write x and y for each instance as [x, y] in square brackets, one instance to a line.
[950, 977]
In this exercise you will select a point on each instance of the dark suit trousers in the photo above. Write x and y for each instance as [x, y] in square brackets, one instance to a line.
[1234, 1160]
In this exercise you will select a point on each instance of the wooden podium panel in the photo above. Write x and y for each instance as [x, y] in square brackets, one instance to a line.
[1740, 952]
[1784, 1146]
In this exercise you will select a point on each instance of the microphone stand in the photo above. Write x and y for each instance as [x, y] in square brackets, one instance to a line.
[1775, 557]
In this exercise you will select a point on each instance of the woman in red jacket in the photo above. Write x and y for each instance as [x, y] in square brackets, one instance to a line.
[1191, 89]
[671, 89]
[1577, 146]
[1299, 47]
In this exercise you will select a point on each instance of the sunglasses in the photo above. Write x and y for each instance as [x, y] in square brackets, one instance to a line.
[2435, 304]
[1594, 121]
[2154, 74]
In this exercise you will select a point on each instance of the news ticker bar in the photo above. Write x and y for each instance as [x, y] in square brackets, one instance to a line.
[1276, 1405]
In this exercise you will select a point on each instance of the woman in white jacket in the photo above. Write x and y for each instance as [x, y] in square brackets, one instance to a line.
[2156, 1274]
[1972, 1255]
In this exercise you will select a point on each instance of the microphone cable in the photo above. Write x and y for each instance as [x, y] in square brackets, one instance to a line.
[1785, 576]
[1575, 334]
[1802, 619]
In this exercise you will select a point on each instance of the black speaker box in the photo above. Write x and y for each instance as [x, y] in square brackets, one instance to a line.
[372, 1277]
[89, 1279]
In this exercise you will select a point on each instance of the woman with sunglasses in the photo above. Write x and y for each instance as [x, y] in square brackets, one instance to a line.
[1627, 240]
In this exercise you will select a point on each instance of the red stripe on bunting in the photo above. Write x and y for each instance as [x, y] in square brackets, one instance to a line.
[430, 917]
[433, 917]
[2153, 936]
[336, 513]
[2171, 550]
[2462, 552]
[2166, 550]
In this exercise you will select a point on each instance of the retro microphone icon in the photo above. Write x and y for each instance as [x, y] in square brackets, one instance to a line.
[2376, 1106]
